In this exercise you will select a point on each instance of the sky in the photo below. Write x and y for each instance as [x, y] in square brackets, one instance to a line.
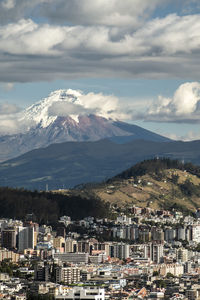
[145, 54]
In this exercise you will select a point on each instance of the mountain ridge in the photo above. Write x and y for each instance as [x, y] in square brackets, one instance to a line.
[72, 163]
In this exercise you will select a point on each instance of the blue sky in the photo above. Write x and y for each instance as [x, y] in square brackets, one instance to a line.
[144, 53]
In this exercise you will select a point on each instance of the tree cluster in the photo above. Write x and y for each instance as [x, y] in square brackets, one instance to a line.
[49, 207]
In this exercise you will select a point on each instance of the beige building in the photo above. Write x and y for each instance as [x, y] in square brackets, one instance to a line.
[5, 254]
[174, 269]
[59, 243]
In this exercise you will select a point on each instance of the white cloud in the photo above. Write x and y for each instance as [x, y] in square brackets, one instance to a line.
[84, 12]
[64, 109]
[106, 106]
[8, 108]
[7, 86]
[184, 106]
[8, 4]
[163, 47]
[10, 119]
[100, 12]
[188, 136]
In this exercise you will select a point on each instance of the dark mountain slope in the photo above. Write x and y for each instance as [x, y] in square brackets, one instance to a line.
[72, 163]
[137, 133]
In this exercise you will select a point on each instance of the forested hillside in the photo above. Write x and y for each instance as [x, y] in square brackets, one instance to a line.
[48, 207]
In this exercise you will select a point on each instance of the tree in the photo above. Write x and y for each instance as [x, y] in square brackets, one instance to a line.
[175, 178]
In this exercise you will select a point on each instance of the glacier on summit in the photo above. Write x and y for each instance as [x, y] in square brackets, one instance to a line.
[70, 116]
[70, 103]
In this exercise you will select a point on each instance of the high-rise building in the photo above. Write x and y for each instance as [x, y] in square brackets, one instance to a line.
[169, 234]
[181, 233]
[42, 271]
[119, 250]
[8, 239]
[154, 252]
[157, 235]
[182, 255]
[26, 238]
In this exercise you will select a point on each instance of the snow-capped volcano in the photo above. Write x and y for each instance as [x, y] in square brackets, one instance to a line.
[69, 115]
[71, 104]
[40, 112]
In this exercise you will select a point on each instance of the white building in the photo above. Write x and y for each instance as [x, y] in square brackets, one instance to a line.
[81, 293]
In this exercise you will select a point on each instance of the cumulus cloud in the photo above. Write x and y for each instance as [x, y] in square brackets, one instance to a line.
[95, 38]
[13, 10]
[10, 119]
[184, 106]
[163, 47]
[188, 136]
[99, 12]
[107, 106]
[8, 4]
[84, 12]
[8, 108]
[64, 109]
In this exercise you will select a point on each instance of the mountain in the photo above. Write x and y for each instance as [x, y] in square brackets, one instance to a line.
[62, 117]
[72, 163]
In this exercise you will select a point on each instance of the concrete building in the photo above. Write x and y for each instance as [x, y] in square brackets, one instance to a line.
[5, 254]
[8, 239]
[182, 255]
[154, 252]
[42, 271]
[26, 238]
[59, 243]
[84, 294]
[157, 235]
[119, 250]
[67, 275]
[169, 234]
[73, 257]
[71, 245]
[174, 269]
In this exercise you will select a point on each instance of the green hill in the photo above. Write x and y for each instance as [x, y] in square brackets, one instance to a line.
[156, 183]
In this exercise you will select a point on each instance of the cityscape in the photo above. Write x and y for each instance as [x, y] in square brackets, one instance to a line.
[145, 254]
[99, 149]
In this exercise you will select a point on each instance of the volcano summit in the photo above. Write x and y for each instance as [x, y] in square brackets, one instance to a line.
[70, 115]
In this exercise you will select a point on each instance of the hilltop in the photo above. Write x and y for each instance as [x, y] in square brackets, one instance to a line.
[156, 183]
